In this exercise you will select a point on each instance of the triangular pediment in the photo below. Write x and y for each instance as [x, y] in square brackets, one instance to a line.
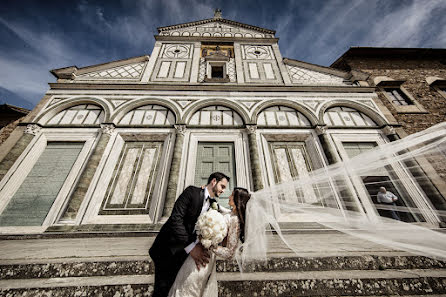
[216, 28]
[310, 74]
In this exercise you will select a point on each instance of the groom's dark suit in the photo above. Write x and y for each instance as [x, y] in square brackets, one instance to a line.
[167, 251]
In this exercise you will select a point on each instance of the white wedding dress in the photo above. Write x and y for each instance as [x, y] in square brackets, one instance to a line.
[191, 282]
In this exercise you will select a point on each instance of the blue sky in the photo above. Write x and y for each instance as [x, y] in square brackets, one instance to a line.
[37, 36]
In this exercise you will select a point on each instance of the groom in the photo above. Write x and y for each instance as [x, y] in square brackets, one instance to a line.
[177, 238]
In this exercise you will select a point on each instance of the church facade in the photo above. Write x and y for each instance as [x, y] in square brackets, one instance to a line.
[111, 146]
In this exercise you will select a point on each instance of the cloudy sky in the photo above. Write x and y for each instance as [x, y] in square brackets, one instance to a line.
[37, 36]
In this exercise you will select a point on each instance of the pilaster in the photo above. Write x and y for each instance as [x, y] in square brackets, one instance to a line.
[238, 63]
[279, 59]
[78, 196]
[174, 170]
[324, 139]
[254, 157]
[151, 65]
[195, 62]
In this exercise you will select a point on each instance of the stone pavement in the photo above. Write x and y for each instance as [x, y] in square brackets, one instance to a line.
[103, 248]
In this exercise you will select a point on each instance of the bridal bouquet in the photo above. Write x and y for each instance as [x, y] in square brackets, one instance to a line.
[211, 227]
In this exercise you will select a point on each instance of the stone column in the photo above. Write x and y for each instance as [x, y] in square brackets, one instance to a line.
[87, 174]
[6, 163]
[172, 184]
[329, 151]
[347, 196]
[254, 157]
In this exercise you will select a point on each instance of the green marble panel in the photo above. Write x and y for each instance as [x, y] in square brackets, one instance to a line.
[30, 204]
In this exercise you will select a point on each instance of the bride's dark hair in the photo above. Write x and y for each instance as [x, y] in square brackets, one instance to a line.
[241, 198]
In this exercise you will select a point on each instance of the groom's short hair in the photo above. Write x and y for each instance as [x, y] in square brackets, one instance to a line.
[218, 177]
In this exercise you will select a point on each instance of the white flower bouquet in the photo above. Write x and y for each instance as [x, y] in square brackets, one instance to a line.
[211, 228]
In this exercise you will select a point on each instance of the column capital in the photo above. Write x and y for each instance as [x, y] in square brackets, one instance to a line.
[320, 130]
[33, 129]
[388, 130]
[181, 129]
[108, 129]
[252, 129]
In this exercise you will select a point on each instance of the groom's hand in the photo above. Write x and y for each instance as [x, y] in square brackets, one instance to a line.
[200, 255]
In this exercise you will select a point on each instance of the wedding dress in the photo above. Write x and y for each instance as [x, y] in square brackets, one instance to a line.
[191, 282]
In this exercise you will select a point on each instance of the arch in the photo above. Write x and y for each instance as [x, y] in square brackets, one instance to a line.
[377, 118]
[216, 102]
[71, 102]
[281, 102]
[127, 107]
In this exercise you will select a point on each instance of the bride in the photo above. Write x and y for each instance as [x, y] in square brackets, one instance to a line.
[192, 281]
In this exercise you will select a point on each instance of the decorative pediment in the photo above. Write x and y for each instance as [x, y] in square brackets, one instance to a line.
[216, 27]
[308, 74]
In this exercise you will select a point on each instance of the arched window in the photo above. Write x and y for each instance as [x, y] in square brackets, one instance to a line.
[153, 115]
[346, 116]
[85, 114]
[216, 116]
[282, 116]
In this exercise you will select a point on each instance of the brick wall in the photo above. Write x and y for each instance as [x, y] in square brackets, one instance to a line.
[414, 72]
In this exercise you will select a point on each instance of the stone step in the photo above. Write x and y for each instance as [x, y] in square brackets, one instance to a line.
[275, 264]
[280, 284]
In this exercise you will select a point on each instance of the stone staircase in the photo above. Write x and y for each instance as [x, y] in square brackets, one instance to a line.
[331, 264]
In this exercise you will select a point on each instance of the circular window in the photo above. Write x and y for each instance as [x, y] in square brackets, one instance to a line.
[257, 52]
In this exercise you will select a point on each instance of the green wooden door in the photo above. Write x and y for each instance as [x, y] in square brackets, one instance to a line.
[212, 157]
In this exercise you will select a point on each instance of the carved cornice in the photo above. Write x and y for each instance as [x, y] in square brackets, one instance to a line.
[209, 87]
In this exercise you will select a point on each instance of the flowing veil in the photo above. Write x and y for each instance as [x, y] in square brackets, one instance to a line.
[343, 197]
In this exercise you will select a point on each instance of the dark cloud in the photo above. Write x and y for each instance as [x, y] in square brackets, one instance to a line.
[41, 35]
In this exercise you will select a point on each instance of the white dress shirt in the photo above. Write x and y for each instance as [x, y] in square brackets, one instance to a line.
[205, 207]
[387, 197]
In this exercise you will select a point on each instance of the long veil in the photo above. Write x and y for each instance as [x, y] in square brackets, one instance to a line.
[343, 197]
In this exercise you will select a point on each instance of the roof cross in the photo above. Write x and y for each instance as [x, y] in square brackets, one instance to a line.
[217, 13]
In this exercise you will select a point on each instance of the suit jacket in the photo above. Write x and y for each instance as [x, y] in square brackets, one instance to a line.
[178, 231]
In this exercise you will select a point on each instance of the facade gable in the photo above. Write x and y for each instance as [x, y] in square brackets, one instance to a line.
[217, 28]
